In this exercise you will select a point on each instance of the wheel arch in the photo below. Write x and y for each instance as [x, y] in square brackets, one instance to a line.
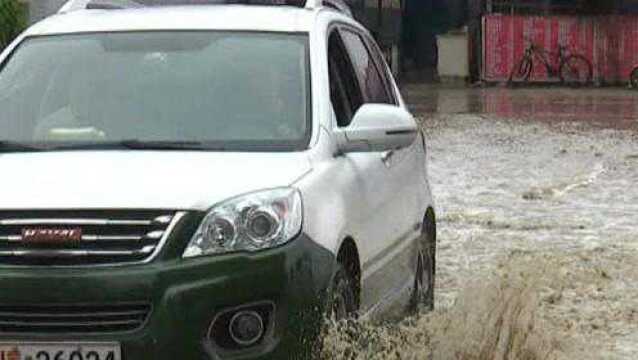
[349, 257]
[429, 225]
[430, 220]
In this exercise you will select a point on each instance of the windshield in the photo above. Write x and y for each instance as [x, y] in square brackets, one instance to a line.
[223, 90]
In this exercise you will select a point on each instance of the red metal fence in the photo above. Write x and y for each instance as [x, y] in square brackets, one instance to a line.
[610, 43]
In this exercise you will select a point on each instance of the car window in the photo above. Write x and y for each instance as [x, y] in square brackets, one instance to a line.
[385, 72]
[239, 90]
[345, 93]
[367, 71]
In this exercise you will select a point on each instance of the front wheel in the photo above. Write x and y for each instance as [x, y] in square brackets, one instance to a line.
[343, 304]
[576, 70]
[424, 282]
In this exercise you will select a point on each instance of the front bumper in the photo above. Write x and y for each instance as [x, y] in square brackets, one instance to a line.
[186, 295]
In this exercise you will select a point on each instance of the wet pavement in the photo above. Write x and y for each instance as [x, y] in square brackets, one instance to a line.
[601, 107]
[545, 172]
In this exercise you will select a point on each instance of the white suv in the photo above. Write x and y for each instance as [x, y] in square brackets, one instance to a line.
[203, 182]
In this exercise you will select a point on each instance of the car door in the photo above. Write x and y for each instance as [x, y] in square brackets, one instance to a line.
[385, 221]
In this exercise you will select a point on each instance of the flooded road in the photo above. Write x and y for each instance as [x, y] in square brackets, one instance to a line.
[546, 178]
[601, 107]
[546, 171]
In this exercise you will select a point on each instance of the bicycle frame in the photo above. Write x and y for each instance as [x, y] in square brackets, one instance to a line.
[563, 64]
[535, 51]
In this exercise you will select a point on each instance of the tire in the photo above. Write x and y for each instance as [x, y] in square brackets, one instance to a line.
[343, 304]
[576, 70]
[425, 279]
[633, 79]
[522, 71]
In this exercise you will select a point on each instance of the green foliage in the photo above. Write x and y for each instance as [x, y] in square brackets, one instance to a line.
[13, 19]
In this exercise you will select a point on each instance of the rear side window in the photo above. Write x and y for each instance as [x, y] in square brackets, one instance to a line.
[384, 69]
[374, 88]
[345, 93]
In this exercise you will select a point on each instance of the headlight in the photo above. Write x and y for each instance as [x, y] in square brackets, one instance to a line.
[251, 222]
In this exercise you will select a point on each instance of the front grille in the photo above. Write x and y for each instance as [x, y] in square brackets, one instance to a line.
[73, 318]
[107, 237]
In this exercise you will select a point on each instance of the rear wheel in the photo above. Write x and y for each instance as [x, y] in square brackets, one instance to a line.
[576, 71]
[522, 71]
[633, 79]
[424, 282]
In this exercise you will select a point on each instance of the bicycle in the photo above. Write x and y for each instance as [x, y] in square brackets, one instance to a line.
[572, 69]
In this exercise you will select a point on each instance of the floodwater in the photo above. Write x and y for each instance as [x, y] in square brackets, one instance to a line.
[529, 183]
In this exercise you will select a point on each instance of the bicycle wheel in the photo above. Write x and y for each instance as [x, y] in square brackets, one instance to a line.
[576, 70]
[522, 71]
[633, 79]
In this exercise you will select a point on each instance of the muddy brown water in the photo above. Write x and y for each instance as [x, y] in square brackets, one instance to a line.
[526, 181]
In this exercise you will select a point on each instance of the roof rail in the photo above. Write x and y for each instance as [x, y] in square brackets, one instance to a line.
[338, 5]
[73, 5]
[113, 4]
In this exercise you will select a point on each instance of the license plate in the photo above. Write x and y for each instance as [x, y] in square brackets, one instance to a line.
[60, 351]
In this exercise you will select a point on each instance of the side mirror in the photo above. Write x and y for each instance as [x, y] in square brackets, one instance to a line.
[378, 127]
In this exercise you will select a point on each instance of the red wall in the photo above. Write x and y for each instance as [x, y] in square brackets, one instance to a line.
[609, 42]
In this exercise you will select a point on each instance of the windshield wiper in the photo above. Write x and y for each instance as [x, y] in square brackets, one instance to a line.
[14, 146]
[134, 144]
[167, 145]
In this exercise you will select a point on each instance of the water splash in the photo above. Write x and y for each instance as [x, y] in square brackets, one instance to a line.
[496, 318]
[557, 191]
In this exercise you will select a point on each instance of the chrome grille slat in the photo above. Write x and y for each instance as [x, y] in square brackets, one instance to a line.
[72, 318]
[4, 314]
[153, 235]
[109, 237]
[71, 253]
[105, 222]
[164, 219]
[67, 323]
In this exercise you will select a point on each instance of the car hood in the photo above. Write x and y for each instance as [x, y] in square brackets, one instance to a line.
[176, 180]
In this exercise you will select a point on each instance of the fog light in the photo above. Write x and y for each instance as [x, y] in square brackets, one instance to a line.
[246, 328]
